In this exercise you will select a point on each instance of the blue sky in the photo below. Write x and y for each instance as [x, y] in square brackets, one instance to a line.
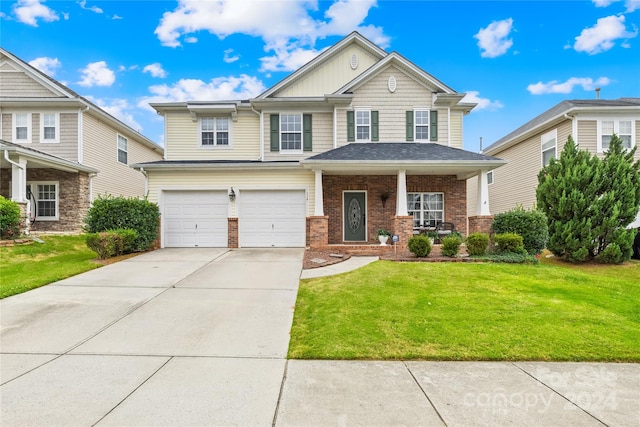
[515, 59]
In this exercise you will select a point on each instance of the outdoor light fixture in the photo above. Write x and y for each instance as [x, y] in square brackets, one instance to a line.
[232, 195]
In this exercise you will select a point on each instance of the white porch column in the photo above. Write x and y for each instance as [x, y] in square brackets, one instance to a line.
[401, 201]
[319, 202]
[483, 194]
[19, 180]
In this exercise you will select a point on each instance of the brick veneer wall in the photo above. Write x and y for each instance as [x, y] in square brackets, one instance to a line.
[318, 231]
[381, 215]
[73, 197]
[232, 240]
[480, 224]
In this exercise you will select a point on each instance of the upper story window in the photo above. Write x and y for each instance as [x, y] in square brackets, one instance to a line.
[291, 132]
[214, 131]
[22, 127]
[549, 146]
[363, 125]
[489, 177]
[421, 123]
[49, 127]
[122, 149]
[622, 128]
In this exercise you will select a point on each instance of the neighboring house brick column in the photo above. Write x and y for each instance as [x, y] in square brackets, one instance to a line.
[403, 227]
[480, 224]
[318, 231]
[233, 233]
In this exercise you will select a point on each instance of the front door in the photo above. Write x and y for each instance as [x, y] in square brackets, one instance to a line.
[355, 215]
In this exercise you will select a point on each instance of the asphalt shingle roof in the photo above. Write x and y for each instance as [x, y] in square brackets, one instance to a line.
[395, 151]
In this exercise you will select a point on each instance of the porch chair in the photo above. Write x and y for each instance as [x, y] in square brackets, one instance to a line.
[444, 229]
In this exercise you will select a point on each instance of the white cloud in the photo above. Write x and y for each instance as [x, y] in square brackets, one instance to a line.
[554, 86]
[632, 5]
[155, 70]
[483, 103]
[277, 23]
[191, 39]
[95, 9]
[220, 88]
[603, 3]
[46, 65]
[97, 74]
[493, 40]
[602, 36]
[228, 58]
[29, 11]
[116, 16]
[118, 108]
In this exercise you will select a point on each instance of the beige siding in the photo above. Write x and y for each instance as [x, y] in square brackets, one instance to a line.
[456, 129]
[18, 85]
[199, 179]
[588, 135]
[100, 151]
[322, 138]
[472, 196]
[331, 75]
[6, 127]
[183, 139]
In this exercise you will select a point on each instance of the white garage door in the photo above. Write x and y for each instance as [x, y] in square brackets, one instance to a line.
[195, 219]
[272, 218]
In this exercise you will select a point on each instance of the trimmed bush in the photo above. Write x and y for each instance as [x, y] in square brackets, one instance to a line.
[612, 254]
[509, 242]
[9, 219]
[127, 240]
[113, 213]
[477, 244]
[419, 245]
[530, 224]
[451, 245]
[104, 243]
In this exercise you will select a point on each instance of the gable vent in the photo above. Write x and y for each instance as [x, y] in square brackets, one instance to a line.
[354, 61]
[392, 84]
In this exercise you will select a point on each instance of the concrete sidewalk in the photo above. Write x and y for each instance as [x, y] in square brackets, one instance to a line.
[199, 337]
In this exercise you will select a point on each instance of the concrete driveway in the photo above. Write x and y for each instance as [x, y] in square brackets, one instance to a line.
[171, 337]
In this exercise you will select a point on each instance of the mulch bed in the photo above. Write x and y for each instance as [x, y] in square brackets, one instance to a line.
[311, 255]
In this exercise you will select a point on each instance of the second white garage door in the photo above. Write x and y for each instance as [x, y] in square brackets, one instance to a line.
[272, 218]
[195, 219]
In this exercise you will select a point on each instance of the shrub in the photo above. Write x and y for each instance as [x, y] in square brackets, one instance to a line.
[612, 254]
[530, 224]
[104, 243]
[9, 218]
[419, 245]
[112, 213]
[477, 244]
[451, 245]
[509, 242]
[127, 240]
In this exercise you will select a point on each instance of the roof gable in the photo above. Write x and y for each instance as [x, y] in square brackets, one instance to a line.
[338, 55]
[17, 75]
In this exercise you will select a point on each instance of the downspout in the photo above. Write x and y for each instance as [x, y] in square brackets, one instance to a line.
[449, 126]
[146, 182]
[335, 125]
[91, 176]
[261, 115]
[574, 128]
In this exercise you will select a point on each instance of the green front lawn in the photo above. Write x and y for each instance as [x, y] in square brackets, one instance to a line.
[479, 311]
[23, 268]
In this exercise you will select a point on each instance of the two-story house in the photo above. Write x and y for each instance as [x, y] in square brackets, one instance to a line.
[532, 146]
[58, 150]
[356, 140]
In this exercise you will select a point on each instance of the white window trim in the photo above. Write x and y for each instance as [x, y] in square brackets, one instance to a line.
[422, 193]
[13, 129]
[616, 127]
[415, 125]
[118, 136]
[56, 140]
[215, 146]
[34, 191]
[546, 138]
[355, 123]
[286, 150]
[490, 178]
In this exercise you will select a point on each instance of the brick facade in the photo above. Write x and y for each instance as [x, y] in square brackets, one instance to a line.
[381, 202]
[480, 224]
[232, 240]
[318, 231]
[73, 198]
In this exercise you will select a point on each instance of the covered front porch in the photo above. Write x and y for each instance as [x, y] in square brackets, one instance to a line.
[401, 188]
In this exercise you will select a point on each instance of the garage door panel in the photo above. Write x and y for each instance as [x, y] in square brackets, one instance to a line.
[195, 218]
[272, 218]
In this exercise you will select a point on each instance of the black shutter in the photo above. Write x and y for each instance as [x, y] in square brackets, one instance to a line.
[275, 132]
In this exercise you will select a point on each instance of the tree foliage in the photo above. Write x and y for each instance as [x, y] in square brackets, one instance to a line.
[589, 202]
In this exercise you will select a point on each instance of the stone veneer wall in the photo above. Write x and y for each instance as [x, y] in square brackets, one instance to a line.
[381, 215]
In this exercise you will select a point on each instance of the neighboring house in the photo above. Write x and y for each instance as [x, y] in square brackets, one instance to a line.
[530, 147]
[356, 140]
[59, 151]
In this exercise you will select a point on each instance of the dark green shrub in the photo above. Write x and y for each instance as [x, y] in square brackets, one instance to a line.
[612, 254]
[509, 242]
[477, 244]
[530, 224]
[419, 245]
[127, 240]
[9, 219]
[451, 245]
[112, 213]
[105, 243]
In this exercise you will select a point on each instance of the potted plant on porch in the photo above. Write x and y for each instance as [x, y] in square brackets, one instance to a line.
[383, 236]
